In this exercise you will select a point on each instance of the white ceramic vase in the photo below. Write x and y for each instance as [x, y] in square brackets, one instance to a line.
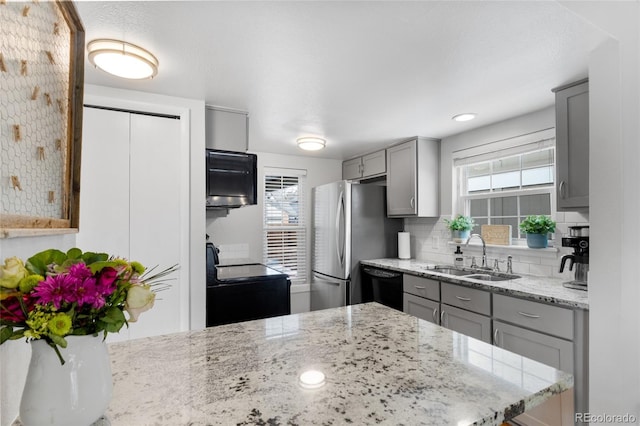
[74, 394]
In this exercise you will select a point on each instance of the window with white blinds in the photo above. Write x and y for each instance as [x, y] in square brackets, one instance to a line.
[285, 222]
[502, 188]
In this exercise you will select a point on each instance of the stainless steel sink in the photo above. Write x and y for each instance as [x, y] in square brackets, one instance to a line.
[476, 274]
[494, 276]
[451, 270]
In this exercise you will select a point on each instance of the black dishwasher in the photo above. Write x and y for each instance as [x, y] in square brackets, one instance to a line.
[382, 286]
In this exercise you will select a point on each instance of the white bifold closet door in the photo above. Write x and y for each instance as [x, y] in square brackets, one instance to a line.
[130, 202]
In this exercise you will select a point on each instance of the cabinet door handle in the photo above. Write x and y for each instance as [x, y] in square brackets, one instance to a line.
[412, 202]
[464, 299]
[420, 287]
[561, 188]
[434, 315]
[495, 337]
[524, 314]
[442, 317]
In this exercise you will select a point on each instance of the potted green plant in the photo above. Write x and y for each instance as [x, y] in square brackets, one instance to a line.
[537, 228]
[460, 227]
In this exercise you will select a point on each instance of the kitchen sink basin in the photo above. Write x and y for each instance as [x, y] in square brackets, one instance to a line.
[473, 273]
[451, 270]
[492, 276]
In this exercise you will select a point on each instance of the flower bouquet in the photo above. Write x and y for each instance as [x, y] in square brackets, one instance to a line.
[57, 294]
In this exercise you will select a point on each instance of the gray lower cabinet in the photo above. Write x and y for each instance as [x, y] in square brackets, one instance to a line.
[466, 310]
[548, 350]
[422, 308]
[465, 322]
[549, 334]
[421, 297]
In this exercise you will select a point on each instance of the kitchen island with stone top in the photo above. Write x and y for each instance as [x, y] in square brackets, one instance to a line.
[382, 367]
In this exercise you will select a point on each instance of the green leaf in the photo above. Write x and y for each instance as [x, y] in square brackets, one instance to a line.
[112, 320]
[90, 257]
[100, 265]
[74, 253]
[460, 223]
[5, 334]
[38, 263]
[18, 334]
[36, 266]
[58, 340]
[115, 314]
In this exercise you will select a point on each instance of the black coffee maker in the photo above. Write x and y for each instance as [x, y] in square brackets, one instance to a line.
[578, 239]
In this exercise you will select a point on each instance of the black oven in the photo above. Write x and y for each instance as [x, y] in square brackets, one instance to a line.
[382, 286]
[244, 292]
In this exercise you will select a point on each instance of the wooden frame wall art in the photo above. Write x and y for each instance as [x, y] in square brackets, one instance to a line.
[42, 79]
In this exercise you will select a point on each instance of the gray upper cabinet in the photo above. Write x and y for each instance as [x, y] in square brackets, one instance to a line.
[572, 146]
[227, 129]
[364, 167]
[413, 178]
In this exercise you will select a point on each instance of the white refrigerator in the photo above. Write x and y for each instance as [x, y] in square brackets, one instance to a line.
[349, 224]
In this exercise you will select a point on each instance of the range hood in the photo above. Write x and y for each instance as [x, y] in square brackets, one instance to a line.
[231, 179]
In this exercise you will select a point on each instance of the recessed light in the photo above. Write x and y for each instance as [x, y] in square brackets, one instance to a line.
[464, 116]
[311, 143]
[312, 379]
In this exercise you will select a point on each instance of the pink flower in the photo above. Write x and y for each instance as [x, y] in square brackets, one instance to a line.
[86, 292]
[80, 271]
[12, 311]
[55, 289]
[106, 281]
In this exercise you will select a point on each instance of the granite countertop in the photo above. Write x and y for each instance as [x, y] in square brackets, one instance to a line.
[539, 289]
[382, 367]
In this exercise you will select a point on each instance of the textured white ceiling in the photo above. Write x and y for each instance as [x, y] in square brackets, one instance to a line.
[360, 74]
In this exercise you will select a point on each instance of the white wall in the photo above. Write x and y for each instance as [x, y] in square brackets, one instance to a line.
[15, 355]
[614, 294]
[240, 231]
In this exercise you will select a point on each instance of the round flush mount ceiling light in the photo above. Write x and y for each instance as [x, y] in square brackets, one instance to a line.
[312, 379]
[311, 143]
[464, 116]
[122, 59]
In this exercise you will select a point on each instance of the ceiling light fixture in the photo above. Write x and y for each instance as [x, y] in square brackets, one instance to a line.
[122, 59]
[311, 143]
[464, 117]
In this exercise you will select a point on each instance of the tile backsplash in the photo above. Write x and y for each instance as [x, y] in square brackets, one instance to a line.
[431, 241]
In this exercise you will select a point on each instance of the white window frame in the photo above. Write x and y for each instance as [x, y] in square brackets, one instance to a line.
[297, 258]
[461, 161]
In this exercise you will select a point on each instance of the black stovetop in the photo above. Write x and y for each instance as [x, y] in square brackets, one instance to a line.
[249, 272]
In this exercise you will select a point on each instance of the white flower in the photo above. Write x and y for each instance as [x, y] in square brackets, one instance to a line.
[12, 272]
[140, 299]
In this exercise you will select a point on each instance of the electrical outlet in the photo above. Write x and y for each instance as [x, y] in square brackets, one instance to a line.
[435, 242]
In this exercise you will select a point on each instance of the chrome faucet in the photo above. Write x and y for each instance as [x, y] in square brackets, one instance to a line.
[484, 250]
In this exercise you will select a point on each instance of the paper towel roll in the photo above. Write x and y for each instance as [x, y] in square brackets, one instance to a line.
[404, 245]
